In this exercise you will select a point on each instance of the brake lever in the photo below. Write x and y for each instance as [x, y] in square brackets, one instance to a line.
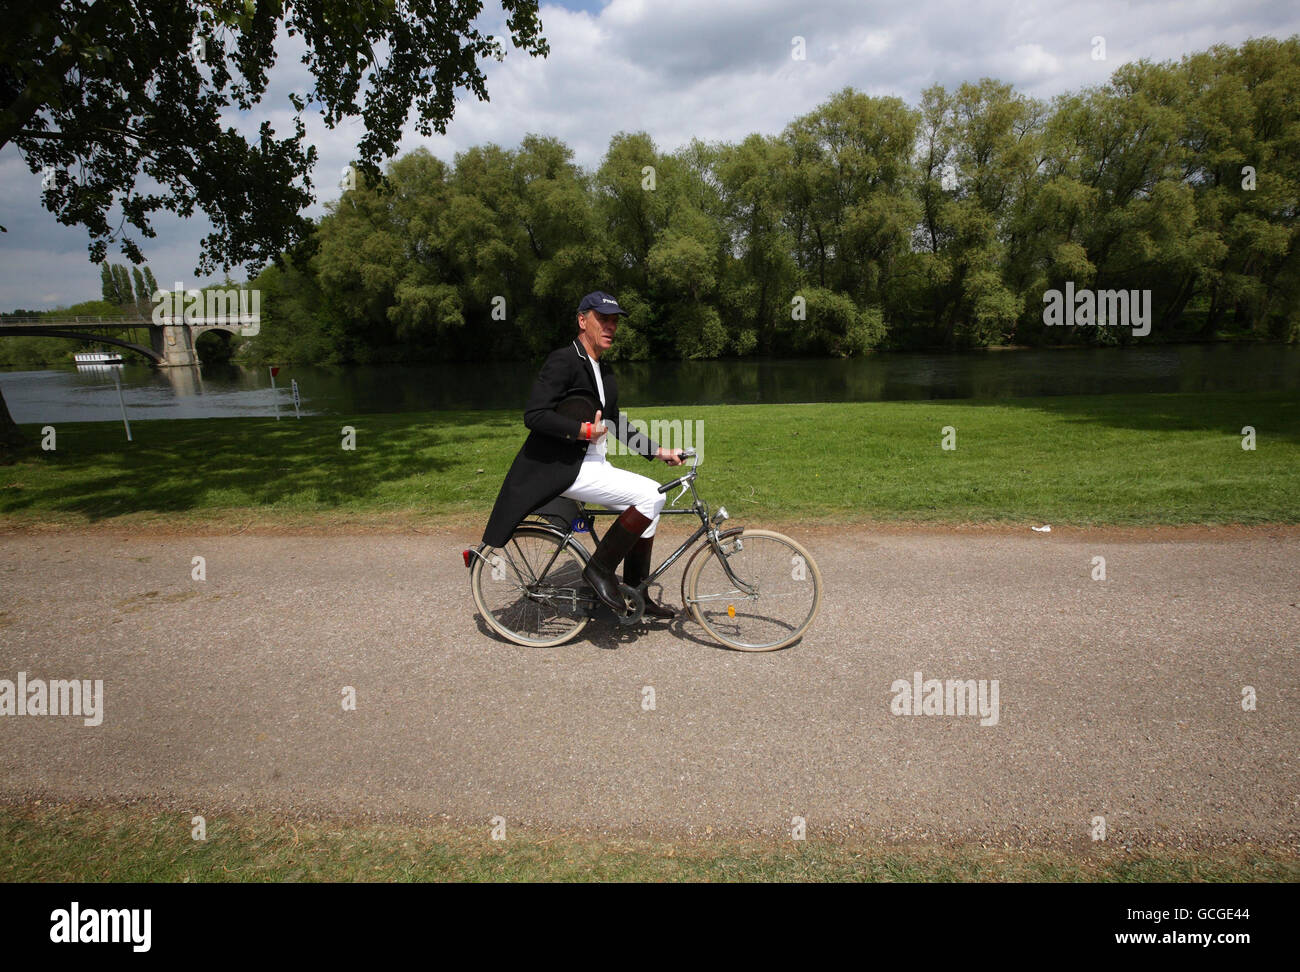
[695, 461]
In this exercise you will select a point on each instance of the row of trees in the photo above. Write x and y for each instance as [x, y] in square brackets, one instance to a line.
[116, 287]
[866, 223]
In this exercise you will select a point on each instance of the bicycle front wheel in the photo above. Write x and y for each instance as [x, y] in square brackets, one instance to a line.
[772, 599]
[531, 591]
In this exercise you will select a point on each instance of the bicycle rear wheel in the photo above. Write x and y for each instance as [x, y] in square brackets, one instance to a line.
[785, 591]
[531, 591]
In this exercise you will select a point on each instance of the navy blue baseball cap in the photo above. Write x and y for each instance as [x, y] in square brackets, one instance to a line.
[601, 301]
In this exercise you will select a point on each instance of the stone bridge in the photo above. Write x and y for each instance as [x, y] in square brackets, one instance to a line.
[171, 344]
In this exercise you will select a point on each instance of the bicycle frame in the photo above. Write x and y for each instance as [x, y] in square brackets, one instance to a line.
[706, 528]
[697, 508]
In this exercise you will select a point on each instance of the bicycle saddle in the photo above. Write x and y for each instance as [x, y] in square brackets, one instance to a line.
[560, 512]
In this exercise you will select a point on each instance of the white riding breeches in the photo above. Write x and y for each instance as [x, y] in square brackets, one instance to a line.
[604, 484]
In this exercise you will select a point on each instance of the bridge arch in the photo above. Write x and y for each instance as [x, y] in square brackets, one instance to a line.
[217, 350]
[149, 353]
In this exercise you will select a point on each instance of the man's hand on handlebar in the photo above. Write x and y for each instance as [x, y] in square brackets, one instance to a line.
[673, 457]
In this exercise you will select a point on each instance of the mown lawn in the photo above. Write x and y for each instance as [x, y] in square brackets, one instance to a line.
[1107, 459]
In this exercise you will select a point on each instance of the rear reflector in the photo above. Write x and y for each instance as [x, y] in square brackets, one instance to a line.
[466, 556]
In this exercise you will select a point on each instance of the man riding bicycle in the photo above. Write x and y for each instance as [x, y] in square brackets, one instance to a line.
[573, 398]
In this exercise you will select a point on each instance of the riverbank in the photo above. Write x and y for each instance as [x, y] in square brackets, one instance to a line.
[1086, 461]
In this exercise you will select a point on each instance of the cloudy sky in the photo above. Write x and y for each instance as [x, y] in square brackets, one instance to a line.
[713, 69]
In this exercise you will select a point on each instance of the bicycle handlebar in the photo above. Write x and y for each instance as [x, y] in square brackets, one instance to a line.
[686, 454]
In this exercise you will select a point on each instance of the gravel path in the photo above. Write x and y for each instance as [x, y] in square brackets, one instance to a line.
[1118, 698]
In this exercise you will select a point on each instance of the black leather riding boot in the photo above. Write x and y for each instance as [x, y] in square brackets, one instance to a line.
[613, 547]
[636, 568]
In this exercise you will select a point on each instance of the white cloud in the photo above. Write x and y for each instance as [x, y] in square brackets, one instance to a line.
[1032, 62]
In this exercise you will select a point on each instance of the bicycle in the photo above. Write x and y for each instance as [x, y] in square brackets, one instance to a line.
[750, 589]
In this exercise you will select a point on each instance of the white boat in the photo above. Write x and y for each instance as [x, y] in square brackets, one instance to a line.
[97, 357]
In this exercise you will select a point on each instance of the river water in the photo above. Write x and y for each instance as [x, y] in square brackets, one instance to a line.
[68, 395]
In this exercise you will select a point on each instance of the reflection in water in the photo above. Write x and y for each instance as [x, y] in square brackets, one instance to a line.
[184, 381]
[65, 395]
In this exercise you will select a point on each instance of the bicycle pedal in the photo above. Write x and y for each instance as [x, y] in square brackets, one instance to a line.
[634, 606]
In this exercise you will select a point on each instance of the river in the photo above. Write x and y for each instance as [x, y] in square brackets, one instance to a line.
[68, 395]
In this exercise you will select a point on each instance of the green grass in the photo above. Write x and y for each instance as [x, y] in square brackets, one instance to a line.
[1106, 459]
[92, 843]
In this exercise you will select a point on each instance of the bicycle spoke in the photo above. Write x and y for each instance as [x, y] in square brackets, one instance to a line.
[782, 600]
[530, 591]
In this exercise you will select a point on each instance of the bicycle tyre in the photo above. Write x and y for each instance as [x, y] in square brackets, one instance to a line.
[506, 604]
[725, 626]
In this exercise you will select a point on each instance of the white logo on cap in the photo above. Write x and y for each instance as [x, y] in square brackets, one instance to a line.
[606, 300]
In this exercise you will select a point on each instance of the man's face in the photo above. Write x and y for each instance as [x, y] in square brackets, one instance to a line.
[599, 328]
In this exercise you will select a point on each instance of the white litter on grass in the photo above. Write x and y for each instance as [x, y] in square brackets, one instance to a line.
[1042, 529]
